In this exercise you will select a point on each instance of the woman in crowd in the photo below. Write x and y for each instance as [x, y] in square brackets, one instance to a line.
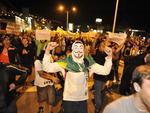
[8, 53]
[26, 54]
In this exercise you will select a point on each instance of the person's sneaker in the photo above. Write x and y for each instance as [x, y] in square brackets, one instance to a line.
[41, 110]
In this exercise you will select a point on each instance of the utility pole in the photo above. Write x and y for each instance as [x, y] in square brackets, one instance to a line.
[67, 21]
[115, 16]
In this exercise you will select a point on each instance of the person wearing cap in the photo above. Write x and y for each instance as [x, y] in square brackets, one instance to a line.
[75, 69]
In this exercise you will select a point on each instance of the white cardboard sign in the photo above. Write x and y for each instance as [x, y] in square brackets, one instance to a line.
[42, 35]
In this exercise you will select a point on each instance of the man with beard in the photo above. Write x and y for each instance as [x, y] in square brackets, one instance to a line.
[138, 102]
[75, 69]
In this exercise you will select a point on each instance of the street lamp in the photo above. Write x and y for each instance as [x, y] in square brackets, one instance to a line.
[115, 16]
[62, 8]
[98, 23]
[98, 20]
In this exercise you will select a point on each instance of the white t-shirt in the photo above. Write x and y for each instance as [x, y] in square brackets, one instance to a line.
[39, 81]
[122, 105]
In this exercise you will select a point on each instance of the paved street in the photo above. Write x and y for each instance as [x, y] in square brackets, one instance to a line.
[27, 103]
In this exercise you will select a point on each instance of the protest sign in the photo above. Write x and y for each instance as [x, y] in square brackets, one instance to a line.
[42, 35]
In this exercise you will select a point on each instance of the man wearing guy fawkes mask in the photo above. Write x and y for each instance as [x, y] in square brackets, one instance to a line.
[78, 50]
[74, 69]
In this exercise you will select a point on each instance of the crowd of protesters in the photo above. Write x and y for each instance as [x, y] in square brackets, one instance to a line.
[27, 53]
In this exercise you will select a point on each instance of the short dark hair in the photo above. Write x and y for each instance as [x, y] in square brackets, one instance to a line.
[140, 73]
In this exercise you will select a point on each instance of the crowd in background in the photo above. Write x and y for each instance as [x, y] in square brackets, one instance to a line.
[24, 49]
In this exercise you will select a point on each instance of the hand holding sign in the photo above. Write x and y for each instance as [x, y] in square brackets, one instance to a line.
[118, 38]
[108, 51]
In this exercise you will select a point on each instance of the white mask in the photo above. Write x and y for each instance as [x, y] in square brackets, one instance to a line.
[78, 49]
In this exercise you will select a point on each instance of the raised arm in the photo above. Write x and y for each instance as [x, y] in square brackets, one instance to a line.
[103, 69]
[48, 66]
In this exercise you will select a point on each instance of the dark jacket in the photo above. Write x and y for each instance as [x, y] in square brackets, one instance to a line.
[26, 59]
[99, 58]
[130, 63]
[7, 76]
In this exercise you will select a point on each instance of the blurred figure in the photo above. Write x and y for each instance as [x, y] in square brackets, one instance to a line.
[26, 54]
[40, 45]
[8, 86]
[99, 80]
[131, 63]
[8, 53]
[127, 49]
[139, 102]
[45, 85]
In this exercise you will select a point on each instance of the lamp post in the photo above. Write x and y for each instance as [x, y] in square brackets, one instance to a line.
[67, 21]
[115, 16]
[62, 8]
[98, 23]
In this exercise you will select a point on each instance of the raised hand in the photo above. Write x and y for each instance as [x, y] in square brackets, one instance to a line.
[51, 46]
[12, 86]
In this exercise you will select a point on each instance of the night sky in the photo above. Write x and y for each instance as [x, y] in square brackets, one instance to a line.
[131, 13]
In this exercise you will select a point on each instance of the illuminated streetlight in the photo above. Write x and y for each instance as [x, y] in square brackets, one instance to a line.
[74, 9]
[62, 8]
[98, 20]
[98, 23]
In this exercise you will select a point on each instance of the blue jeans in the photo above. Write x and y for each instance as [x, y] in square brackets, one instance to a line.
[98, 95]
